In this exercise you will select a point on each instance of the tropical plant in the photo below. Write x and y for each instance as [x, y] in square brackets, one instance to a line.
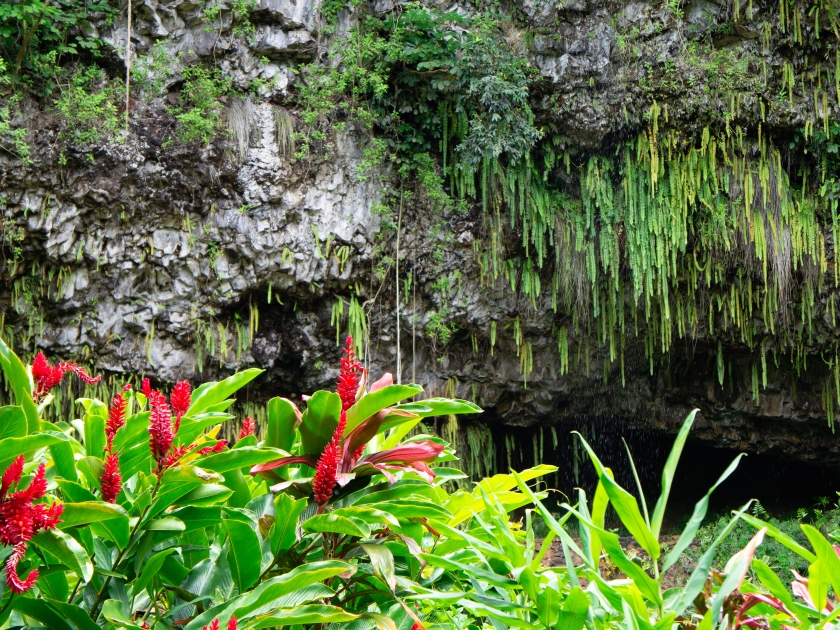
[127, 517]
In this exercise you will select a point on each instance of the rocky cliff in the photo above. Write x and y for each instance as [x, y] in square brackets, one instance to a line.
[194, 259]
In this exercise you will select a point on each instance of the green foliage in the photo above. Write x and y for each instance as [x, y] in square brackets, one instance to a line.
[34, 34]
[86, 102]
[199, 110]
[13, 139]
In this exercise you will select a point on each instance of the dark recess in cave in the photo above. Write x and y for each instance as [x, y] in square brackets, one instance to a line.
[781, 485]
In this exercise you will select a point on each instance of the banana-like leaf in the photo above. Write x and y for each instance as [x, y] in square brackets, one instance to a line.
[244, 555]
[319, 421]
[12, 422]
[21, 384]
[335, 524]
[374, 402]
[305, 615]
[150, 570]
[66, 550]
[668, 474]
[283, 418]
[215, 393]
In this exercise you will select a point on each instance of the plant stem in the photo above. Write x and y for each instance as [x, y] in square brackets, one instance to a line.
[94, 613]
[75, 588]
[399, 228]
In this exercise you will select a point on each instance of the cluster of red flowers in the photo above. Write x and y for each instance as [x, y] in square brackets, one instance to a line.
[21, 519]
[161, 430]
[249, 427]
[214, 625]
[348, 385]
[47, 376]
[110, 482]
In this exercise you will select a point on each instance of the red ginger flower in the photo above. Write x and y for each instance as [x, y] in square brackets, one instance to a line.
[214, 625]
[249, 427]
[160, 426]
[116, 415]
[21, 519]
[349, 375]
[325, 472]
[111, 480]
[48, 376]
[180, 401]
[146, 387]
[218, 447]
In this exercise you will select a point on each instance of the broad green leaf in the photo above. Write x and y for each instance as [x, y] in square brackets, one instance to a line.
[501, 482]
[696, 519]
[92, 468]
[12, 422]
[283, 533]
[319, 421]
[272, 592]
[21, 384]
[10, 448]
[95, 430]
[826, 556]
[335, 524]
[282, 418]
[77, 615]
[134, 432]
[236, 482]
[66, 550]
[244, 555]
[206, 494]
[166, 524]
[150, 570]
[191, 428]
[76, 514]
[39, 609]
[63, 460]
[215, 393]
[305, 615]
[394, 492]
[382, 561]
[625, 505]
[375, 402]
[424, 409]
[668, 474]
[413, 509]
[574, 611]
[370, 515]
[240, 458]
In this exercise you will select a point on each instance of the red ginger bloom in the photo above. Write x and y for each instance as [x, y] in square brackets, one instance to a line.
[160, 426]
[249, 427]
[218, 447]
[214, 625]
[48, 376]
[116, 415]
[111, 480]
[180, 401]
[325, 472]
[21, 519]
[146, 387]
[349, 375]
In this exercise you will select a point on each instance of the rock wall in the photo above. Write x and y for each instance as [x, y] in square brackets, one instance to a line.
[133, 253]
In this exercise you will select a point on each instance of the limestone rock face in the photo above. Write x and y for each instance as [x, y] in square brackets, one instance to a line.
[152, 258]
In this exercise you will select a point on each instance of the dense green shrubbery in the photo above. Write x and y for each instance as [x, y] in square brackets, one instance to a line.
[136, 515]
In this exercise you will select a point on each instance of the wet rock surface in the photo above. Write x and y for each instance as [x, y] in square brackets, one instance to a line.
[130, 252]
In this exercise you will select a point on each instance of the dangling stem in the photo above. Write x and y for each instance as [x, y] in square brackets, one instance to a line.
[399, 228]
[128, 66]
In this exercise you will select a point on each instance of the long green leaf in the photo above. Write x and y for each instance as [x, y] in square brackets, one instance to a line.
[216, 393]
[668, 473]
[309, 614]
[76, 514]
[244, 555]
[150, 570]
[335, 524]
[282, 418]
[319, 421]
[696, 519]
[283, 533]
[240, 458]
[375, 402]
[66, 550]
[780, 537]
[12, 422]
[10, 448]
[626, 506]
[21, 386]
[39, 609]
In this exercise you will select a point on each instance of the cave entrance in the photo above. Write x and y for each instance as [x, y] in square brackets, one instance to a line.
[781, 485]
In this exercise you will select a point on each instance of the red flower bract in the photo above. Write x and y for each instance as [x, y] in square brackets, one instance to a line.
[160, 426]
[21, 519]
[218, 447]
[47, 376]
[348, 376]
[146, 387]
[249, 427]
[111, 480]
[116, 415]
[180, 401]
[214, 625]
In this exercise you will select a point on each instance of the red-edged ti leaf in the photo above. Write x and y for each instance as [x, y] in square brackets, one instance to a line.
[387, 379]
[420, 451]
[360, 436]
[753, 599]
[309, 460]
